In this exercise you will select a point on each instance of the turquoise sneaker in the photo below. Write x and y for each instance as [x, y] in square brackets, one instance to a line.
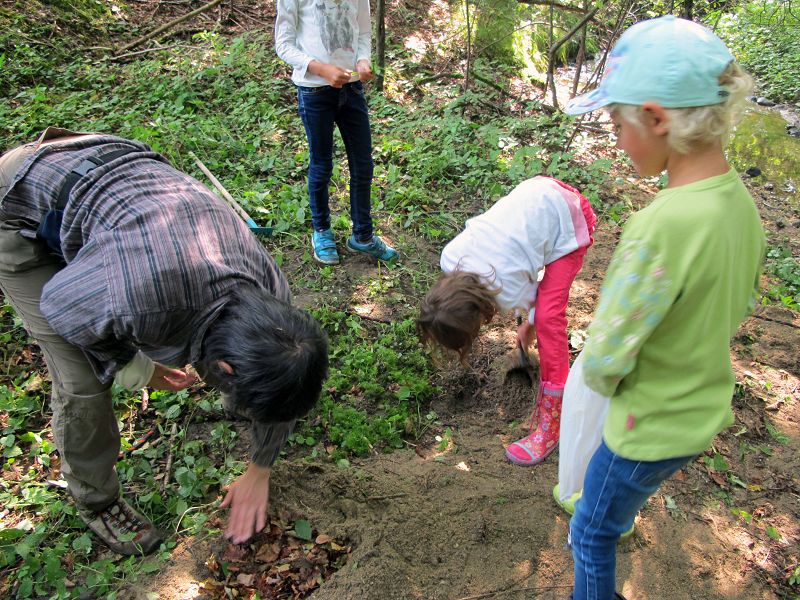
[324, 246]
[376, 248]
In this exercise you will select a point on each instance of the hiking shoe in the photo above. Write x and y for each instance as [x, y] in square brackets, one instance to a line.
[568, 506]
[324, 246]
[122, 529]
[376, 248]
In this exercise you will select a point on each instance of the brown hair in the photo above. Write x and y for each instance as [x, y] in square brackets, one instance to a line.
[452, 313]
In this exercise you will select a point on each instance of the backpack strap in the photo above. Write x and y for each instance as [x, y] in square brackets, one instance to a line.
[49, 230]
[82, 169]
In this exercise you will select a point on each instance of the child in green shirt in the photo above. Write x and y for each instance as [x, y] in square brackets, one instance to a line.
[681, 280]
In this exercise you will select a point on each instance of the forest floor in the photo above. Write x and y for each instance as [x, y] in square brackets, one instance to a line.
[449, 518]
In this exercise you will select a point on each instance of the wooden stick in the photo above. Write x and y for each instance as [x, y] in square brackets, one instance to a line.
[146, 50]
[168, 466]
[169, 25]
[235, 205]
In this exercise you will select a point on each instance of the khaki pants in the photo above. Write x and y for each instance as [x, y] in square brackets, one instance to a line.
[84, 423]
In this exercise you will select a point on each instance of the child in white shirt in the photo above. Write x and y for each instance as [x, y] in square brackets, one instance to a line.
[494, 265]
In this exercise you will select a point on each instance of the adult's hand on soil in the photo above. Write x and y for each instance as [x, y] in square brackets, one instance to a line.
[166, 378]
[248, 499]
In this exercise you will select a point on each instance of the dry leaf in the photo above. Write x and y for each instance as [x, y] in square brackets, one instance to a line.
[268, 553]
[718, 479]
[234, 552]
[212, 563]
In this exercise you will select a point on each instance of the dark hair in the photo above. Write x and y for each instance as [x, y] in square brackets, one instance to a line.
[454, 309]
[279, 356]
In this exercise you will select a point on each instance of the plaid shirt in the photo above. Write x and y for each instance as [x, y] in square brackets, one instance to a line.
[152, 256]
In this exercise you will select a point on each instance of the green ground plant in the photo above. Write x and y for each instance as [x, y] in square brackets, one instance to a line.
[784, 286]
[766, 41]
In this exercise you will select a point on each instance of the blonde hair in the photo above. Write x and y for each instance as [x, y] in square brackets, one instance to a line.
[699, 125]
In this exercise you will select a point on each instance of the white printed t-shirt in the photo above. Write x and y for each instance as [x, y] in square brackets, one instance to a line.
[336, 32]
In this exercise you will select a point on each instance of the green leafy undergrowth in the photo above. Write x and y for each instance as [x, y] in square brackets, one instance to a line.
[784, 284]
[45, 550]
[230, 102]
[767, 46]
[37, 38]
[379, 380]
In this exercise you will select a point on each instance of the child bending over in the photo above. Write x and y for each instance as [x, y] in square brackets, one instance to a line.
[494, 265]
[681, 280]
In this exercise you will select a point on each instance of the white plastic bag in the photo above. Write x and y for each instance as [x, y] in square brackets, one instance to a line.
[583, 412]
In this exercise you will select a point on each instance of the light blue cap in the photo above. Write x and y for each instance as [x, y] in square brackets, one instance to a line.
[673, 62]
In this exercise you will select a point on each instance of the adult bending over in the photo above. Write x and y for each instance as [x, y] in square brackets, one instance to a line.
[120, 265]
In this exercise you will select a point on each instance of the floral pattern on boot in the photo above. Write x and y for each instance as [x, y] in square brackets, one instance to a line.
[534, 448]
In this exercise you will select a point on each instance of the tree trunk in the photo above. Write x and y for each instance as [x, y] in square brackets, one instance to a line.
[469, 56]
[581, 56]
[380, 50]
[551, 55]
[551, 80]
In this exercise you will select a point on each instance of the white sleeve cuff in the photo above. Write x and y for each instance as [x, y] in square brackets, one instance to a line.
[137, 373]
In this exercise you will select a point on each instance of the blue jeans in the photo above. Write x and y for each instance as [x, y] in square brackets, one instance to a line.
[614, 489]
[320, 109]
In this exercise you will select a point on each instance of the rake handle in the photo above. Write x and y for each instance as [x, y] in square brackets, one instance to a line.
[235, 205]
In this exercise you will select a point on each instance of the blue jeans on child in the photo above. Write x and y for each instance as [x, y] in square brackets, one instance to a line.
[614, 489]
[320, 109]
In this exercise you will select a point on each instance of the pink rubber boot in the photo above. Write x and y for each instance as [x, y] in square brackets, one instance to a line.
[534, 448]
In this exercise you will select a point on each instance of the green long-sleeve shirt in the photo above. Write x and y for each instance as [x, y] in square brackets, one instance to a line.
[681, 281]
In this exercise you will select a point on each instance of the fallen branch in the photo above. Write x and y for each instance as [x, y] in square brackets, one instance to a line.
[432, 78]
[389, 497]
[497, 87]
[168, 466]
[763, 318]
[247, 16]
[558, 5]
[169, 25]
[146, 50]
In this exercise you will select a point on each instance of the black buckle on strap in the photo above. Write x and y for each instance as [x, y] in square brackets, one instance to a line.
[87, 165]
[83, 169]
[49, 230]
